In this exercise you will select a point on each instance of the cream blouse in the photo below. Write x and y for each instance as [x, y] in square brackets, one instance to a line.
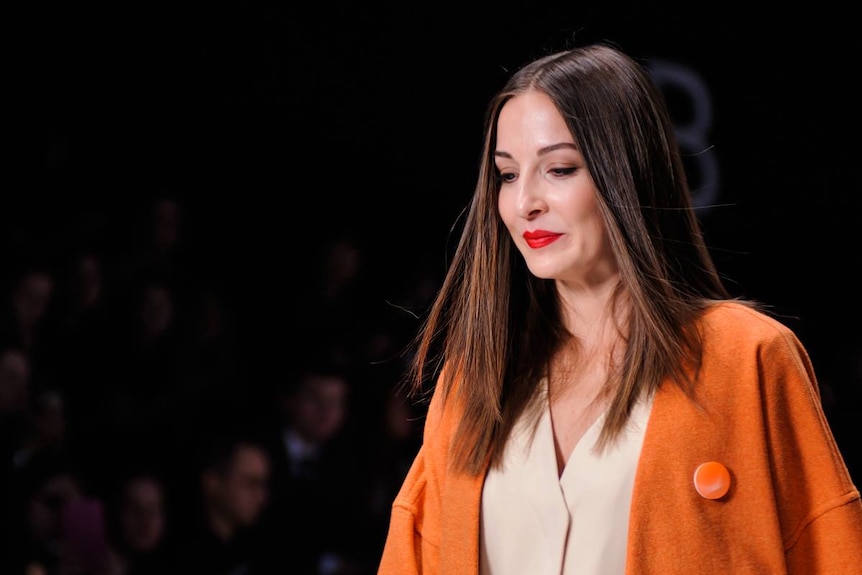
[534, 521]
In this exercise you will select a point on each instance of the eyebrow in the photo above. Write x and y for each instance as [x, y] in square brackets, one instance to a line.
[542, 151]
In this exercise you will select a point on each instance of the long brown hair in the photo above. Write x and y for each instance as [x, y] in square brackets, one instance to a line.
[493, 327]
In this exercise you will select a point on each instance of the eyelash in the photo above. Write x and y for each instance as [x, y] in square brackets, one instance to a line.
[507, 177]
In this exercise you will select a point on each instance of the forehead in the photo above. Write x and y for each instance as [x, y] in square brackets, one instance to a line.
[321, 381]
[249, 457]
[143, 488]
[531, 119]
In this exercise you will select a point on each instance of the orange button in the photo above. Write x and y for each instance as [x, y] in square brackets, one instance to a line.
[711, 479]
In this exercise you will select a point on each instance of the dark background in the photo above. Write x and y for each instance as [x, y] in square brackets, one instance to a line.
[279, 124]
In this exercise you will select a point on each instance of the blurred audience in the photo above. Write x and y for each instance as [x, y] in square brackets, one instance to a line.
[158, 245]
[390, 453]
[317, 495]
[52, 526]
[139, 402]
[45, 429]
[121, 360]
[27, 309]
[138, 526]
[15, 420]
[25, 319]
[82, 321]
[221, 535]
[15, 395]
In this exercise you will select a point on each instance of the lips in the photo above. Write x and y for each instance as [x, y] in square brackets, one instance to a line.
[540, 238]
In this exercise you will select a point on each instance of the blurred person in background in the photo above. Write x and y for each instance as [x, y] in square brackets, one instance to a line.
[317, 467]
[45, 432]
[139, 403]
[390, 451]
[26, 319]
[43, 493]
[15, 394]
[138, 526]
[220, 535]
[28, 308]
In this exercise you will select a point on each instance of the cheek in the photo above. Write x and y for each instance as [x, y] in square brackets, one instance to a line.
[576, 202]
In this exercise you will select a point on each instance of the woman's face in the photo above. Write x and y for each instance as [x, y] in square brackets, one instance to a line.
[547, 198]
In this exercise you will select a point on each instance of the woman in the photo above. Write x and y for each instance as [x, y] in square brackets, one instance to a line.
[603, 405]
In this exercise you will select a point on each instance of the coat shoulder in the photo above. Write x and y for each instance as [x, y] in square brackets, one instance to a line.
[733, 326]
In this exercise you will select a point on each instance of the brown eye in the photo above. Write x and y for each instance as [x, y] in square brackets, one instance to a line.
[506, 177]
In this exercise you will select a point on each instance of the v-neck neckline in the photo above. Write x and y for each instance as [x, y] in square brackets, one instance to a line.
[585, 442]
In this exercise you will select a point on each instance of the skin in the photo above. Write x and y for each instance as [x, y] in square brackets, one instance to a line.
[246, 485]
[547, 186]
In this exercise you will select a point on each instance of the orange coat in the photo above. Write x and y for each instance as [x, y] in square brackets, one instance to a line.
[791, 507]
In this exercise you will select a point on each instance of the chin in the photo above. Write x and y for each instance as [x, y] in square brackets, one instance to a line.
[543, 272]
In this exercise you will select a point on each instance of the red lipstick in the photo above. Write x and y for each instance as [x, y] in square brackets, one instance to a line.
[540, 238]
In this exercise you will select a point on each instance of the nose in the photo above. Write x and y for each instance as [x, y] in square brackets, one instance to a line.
[530, 201]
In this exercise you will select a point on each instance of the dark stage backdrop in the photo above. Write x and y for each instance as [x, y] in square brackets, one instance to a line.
[279, 124]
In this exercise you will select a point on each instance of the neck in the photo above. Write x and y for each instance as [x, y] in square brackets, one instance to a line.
[588, 309]
[596, 319]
